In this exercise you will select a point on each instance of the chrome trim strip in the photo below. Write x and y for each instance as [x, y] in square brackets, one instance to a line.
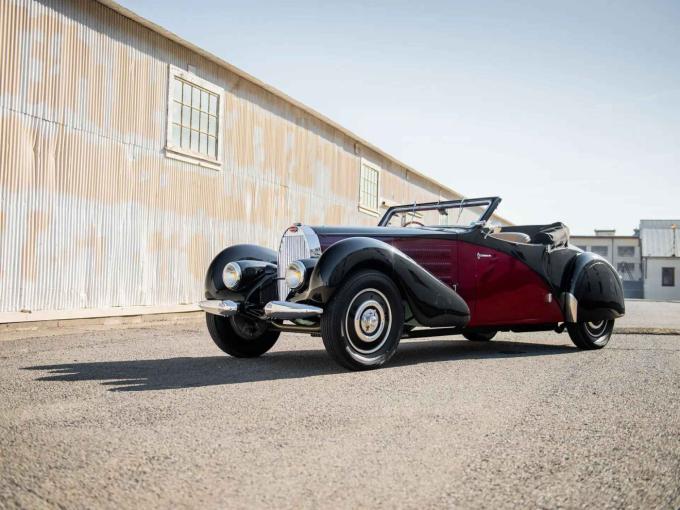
[313, 242]
[288, 310]
[570, 307]
[216, 307]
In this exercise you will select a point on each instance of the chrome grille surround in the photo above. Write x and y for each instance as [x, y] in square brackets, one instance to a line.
[298, 242]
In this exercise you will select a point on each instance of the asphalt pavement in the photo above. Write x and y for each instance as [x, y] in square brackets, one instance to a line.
[157, 417]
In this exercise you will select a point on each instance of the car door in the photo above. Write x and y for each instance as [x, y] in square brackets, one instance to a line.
[503, 288]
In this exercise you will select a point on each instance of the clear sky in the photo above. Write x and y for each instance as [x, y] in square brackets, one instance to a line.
[568, 110]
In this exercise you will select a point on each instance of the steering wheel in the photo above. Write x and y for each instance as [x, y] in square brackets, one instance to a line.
[413, 222]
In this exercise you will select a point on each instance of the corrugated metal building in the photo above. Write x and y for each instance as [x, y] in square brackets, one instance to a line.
[660, 242]
[129, 157]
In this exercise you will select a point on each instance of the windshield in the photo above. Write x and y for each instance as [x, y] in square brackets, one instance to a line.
[454, 213]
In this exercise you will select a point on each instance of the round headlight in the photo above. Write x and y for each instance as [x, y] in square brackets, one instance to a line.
[231, 275]
[295, 274]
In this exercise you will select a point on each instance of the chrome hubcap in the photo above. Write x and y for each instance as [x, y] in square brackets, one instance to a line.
[368, 321]
[597, 329]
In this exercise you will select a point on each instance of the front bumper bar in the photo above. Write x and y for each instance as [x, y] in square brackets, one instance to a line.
[272, 310]
[217, 307]
[288, 310]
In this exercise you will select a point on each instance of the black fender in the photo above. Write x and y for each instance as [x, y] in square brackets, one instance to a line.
[593, 290]
[432, 302]
[259, 273]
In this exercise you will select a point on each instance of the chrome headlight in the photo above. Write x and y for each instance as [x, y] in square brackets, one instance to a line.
[231, 275]
[295, 274]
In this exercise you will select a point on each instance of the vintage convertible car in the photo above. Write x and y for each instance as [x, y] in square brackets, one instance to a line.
[427, 269]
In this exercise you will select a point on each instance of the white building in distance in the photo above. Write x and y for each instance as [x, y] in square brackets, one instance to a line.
[660, 243]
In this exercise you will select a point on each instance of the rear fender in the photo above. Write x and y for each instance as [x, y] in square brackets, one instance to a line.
[432, 302]
[593, 291]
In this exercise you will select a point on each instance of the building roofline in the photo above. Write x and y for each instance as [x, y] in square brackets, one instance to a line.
[124, 11]
[591, 236]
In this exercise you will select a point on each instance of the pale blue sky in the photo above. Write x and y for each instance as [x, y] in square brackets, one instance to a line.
[568, 110]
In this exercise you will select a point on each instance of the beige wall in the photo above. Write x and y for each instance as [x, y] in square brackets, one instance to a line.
[652, 280]
[93, 213]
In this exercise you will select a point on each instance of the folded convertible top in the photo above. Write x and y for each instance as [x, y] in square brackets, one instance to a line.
[556, 234]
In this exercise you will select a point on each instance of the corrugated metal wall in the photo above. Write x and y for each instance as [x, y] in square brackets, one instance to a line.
[93, 214]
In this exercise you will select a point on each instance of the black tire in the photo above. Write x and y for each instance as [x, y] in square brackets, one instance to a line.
[479, 336]
[362, 324]
[590, 335]
[241, 336]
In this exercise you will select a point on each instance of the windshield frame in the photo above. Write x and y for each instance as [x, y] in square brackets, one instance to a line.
[492, 202]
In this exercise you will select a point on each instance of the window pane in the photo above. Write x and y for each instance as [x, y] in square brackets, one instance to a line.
[175, 134]
[212, 147]
[368, 187]
[186, 93]
[177, 89]
[668, 276]
[602, 251]
[192, 117]
[194, 140]
[176, 112]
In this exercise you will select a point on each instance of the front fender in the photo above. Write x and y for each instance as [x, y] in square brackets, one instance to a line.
[432, 302]
[594, 291]
[214, 286]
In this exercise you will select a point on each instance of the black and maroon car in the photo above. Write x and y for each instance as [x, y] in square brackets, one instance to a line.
[428, 269]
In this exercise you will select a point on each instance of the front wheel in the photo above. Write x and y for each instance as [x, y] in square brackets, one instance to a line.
[361, 326]
[590, 335]
[241, 336]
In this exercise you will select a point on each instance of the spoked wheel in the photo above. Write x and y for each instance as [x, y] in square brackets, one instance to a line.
[240, 336]
[362, 324]
[479, 336]
[590, 335]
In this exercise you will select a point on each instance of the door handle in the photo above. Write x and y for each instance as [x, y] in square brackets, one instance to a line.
[483, 255]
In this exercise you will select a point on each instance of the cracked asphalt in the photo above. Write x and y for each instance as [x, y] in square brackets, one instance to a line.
[157, 417]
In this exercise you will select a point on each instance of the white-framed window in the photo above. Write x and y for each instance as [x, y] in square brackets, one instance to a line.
[369, 185]
[194, 119]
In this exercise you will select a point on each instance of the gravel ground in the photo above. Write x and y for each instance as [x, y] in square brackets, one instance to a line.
[157, 417]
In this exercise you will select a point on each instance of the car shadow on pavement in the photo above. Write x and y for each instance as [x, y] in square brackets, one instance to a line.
[192, 372]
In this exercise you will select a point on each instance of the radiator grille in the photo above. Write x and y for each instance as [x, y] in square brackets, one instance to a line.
[293, 246]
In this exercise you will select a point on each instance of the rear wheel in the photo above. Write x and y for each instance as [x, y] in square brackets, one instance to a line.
[362, 324]
[480, 336]
[590, 335]
[240, 336]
